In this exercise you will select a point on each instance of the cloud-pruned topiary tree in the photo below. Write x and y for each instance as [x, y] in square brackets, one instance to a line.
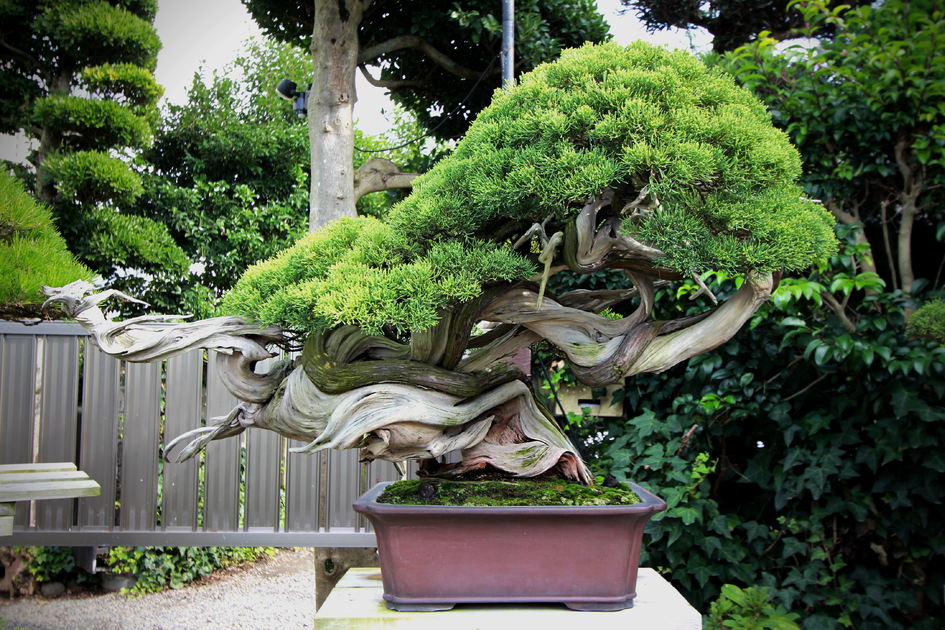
[76, 76]
[634, 158]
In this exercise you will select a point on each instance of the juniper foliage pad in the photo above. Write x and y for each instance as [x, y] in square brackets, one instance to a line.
[602, 117]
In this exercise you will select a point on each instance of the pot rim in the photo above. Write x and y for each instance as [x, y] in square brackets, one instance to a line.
[649, 503]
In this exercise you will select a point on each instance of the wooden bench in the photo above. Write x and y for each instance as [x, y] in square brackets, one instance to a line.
[30, 482]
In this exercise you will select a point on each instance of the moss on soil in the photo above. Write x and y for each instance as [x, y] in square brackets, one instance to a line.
[536, 492]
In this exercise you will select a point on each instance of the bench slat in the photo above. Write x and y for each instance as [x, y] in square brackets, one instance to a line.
[34, 468]
[48, 490]
[40, 477]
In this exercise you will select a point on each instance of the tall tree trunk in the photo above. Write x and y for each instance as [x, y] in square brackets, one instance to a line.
[331, 109]
[913, 180]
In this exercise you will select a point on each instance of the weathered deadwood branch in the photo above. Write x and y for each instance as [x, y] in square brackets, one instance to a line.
[602, 350]
[132, 341]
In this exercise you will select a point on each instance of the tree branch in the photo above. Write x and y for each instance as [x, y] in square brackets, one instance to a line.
[892, 265]
[908, 198]
[413, 41]
[837, 308]
[380, 174]
[868, 262]
[40, 67]
[391, 85]
[811, 384]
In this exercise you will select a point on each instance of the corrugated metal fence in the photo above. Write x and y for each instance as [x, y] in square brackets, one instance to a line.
[61, 399]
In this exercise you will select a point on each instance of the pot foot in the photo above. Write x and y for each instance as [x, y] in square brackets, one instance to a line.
[600, 606]
[432, 607]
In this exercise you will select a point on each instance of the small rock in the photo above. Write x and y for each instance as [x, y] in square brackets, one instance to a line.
[52, 589]
[426, 491]
[118, 581]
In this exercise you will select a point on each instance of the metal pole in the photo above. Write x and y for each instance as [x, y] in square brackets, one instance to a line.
[508, 43]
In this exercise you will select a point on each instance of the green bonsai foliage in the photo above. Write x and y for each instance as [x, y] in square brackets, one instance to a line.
[695, 167]
[929, 321]
[32, 253]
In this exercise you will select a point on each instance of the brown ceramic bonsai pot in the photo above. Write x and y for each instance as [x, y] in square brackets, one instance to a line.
[433, 557]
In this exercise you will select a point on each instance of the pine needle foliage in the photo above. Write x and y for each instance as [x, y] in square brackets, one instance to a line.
[721, 177]
[358, 271]
[32, 253]
[638, 120]
[929, 321]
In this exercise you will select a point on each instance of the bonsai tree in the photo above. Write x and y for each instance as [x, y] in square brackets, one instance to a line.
[634, 158]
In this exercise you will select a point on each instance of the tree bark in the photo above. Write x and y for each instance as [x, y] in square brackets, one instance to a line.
[331, 109]
[913, 180]
[379, 174]
[867, 263]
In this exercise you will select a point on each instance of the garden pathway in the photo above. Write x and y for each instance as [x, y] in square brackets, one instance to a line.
[273, 593]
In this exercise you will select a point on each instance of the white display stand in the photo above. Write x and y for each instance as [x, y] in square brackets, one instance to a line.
[357, 602]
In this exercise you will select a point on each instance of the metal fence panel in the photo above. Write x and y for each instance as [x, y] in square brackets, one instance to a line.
[344, 480]
[113, 433]
[182, 413]
[222, 462]
[17, 377]
[303, 480]
[264, 465]
[57, 428]
[139, 446]
[98, 439]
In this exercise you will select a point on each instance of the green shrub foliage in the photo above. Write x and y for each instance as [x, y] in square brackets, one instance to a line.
[929, 321]
[31, 252]
[800, 457]
[602, 117]
[748, 609]
[157, 568]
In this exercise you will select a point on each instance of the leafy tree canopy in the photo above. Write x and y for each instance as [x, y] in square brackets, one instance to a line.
[865, 110]
[430, 54]
[732, 23]
[639, 121]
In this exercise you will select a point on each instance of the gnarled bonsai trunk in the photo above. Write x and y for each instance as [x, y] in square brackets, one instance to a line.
[443, 389]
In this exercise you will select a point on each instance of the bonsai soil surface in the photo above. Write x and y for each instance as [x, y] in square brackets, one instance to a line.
[503, 492]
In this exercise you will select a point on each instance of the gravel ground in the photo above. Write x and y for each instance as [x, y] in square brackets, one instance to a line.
[276, 593]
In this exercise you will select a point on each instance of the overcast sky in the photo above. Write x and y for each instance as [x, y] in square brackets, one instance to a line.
[209, 34]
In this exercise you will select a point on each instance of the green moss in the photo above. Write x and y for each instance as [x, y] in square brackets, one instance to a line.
[534, 492]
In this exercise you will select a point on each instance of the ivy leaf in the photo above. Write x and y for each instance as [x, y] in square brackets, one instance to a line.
[755, 530]
[710, 544]
[700, 571]
[689, 515]
[646, 424]
[935, 461]
[907, 401]
[793, 546]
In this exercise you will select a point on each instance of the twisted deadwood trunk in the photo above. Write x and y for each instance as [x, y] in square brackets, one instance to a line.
[444, 390]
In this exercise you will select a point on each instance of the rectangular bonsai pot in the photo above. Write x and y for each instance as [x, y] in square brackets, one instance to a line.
[433, 557]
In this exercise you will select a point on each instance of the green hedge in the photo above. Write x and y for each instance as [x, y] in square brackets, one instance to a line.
[799, 457]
